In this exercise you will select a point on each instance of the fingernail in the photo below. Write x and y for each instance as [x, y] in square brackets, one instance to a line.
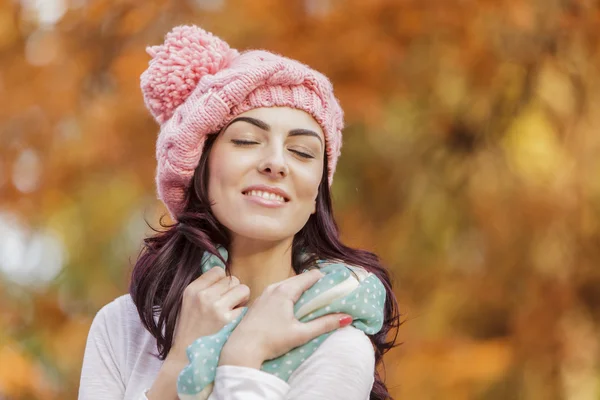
[345, 321]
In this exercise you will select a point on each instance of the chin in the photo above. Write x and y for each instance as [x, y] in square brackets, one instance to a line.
[262, 232]
[264, 228]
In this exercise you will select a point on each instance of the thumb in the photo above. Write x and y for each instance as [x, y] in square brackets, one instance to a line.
[326, 323]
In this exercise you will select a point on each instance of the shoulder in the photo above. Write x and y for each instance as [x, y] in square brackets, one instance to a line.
[118, 331]
[119, 355]
[349, 344]
[119, 312]
[117, 323]
[117, 306]
[342, 367]
[346, 347]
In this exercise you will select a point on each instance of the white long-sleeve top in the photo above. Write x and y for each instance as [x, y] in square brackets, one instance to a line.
[119, 364]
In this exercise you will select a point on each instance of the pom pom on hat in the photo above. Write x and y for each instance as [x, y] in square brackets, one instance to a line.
[188, 54]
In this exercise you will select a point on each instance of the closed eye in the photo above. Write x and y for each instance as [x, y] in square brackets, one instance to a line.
[243, 142]
[238, 142]
[301, 154]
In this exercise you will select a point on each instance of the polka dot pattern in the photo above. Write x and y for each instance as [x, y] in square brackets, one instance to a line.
[364, 301]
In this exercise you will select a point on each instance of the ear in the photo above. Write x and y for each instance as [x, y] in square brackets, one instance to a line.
[314, 207]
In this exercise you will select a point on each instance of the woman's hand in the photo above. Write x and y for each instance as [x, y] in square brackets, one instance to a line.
[270, 328]
[209, 303]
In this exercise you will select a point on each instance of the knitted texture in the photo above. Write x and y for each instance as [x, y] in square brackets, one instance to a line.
[195, 84]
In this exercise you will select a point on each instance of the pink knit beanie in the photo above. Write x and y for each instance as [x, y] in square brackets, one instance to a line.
[195, 84]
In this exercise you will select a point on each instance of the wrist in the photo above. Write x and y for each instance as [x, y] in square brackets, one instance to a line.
[164, 386]
[176, 361]
[243, 355]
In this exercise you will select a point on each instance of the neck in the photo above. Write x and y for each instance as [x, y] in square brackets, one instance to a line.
[259, 264]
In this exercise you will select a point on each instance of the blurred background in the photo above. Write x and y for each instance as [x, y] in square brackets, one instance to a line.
[471, 165]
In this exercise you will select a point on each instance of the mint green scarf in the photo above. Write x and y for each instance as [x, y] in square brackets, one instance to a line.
[344, 289]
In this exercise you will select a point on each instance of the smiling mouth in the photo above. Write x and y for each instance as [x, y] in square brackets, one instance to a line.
[265, 195]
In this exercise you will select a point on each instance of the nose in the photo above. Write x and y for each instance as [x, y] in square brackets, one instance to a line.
[274, 164]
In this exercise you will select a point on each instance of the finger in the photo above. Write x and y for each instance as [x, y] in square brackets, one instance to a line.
[207, 279]
[236, 296]
[324, 324]
[233, 314]
[222, 286]
[294, 287]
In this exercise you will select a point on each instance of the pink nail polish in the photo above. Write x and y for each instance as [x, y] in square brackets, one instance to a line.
[344, 321]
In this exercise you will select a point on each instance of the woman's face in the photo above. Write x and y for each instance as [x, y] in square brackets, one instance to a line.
[264, 172]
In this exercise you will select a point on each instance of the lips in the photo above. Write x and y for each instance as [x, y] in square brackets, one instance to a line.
[268, 193]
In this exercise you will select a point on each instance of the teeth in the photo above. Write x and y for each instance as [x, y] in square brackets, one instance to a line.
[266, 195]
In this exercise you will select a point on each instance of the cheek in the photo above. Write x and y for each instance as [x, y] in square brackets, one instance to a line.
[308, 185]
[219, 171]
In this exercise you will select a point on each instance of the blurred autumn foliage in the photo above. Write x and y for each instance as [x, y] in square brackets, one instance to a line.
[471, 164]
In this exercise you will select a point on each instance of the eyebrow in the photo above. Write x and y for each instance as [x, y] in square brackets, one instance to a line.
[266, 127]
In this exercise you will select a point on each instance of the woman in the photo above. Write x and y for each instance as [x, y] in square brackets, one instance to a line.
[246, 152]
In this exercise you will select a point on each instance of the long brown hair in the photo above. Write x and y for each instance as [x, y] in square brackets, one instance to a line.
[170, 261]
